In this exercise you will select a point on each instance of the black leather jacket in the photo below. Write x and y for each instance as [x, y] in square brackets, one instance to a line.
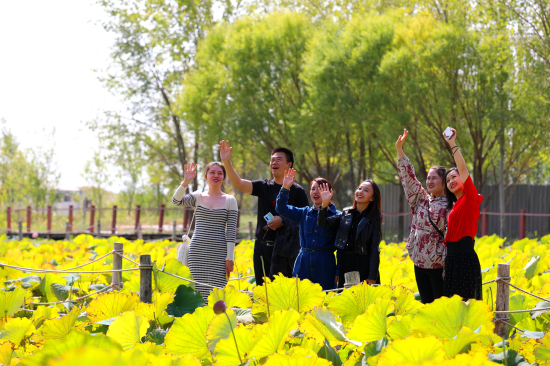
[367, 239]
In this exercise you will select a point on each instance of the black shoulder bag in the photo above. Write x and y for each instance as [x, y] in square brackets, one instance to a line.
[434, 225]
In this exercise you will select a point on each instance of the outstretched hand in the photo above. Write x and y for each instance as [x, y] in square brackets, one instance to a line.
[326, 194]
[288, 180]
[225, 150]
[189, 173]
[401, 140]
[451, 140]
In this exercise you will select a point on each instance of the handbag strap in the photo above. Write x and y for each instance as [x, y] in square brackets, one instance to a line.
[434, 225]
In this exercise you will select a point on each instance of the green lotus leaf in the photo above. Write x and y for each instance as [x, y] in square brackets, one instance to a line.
[374, 348]
[354, 301]
[321, 325]
[373, 324]
[220, 328]
[329, 354]
[531, 266]
[275, 333]
[296, 360]
[185, 302]
[282, 295]
[445, 317]
[17, 329]
[226, 353]
[518, 302]
[6, 351]
[128, 328]
[412, 350]
[60, 327]
[11, 302]
[167, 283]
[28, 282]
[509, 357]
[157, 336]
[110, 305]
[233, 298]
[61, 292]
[46, 285]
[400, 327]
[188, 333]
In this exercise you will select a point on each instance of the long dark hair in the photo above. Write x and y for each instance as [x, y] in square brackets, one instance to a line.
[451, 198]
[375, 207]
[441, 171]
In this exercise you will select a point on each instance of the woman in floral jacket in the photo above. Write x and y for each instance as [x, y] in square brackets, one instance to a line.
[429, 218]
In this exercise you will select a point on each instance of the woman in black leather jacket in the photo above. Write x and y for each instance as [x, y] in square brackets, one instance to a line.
[359, 232]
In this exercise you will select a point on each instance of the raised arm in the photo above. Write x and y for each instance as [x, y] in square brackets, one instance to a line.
[457, 155]
[323, 220]
[239, 183]
[180, 198]
[231, 227]
[287, 211]
[413, 188]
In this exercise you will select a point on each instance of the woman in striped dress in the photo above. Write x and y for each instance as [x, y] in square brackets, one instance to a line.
[213, 242]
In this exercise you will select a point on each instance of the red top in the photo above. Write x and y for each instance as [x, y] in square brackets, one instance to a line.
[463, 218]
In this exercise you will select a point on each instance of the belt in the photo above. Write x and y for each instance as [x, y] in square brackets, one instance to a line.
[267, 243]
[318, 250]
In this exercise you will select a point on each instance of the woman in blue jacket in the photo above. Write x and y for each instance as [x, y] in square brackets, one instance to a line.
[359, 231]
[316, 260]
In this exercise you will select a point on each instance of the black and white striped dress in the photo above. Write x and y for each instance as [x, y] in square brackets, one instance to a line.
[213, 241]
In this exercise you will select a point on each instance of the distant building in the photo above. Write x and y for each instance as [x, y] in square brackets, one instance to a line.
[66, 198]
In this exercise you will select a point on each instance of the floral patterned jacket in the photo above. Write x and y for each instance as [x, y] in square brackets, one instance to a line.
[426, 247]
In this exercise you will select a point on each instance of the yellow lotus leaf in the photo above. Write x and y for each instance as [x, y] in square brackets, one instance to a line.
[59, 327]
[226, 352]
[445, 317]
[155, 310]
[233, 298]
[354, 358]
[543, 352]
[110, 305]
[166, 283]
[354, 301]
[87, 356]
[302, 351]
[169, 360]
[44, 312]
[470, 359]
[46, 285]
[296, 360]
[462, 342]
[400, 327]
[128, 329]
[372, 325]
[275, 333]
[6, 350]
[220, 328]
[17, 329]
[149, 347]
[282, 295]
[11, 301]
[188, 333]
[321, 325]
[405, 303]
[412, 350]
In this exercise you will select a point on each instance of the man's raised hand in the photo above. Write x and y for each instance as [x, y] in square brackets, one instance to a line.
[326, 194]
[189, 173]
[289, 178]
[225, 150]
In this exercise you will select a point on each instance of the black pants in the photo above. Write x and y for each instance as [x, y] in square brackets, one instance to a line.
[429, 282]
[282, 265]
[262, 250]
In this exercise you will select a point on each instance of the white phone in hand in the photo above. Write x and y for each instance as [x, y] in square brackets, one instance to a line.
[269, 217]
[448, 133]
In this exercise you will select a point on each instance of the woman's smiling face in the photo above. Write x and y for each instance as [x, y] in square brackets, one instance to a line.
[454, 183]
[214, 176]
[315, 194]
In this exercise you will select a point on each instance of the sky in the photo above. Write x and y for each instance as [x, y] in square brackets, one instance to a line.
[49, 50]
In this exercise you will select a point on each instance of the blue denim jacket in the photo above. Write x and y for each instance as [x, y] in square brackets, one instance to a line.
[316, 260]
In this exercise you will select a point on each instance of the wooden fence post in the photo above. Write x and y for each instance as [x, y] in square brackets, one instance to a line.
[8, 217]
[522, 224]
[139, 233]
[161, 218]
[352, 279]
[117, 264]
[174, 230]
[138, 214]
[92, 217]
[502, 300]
[20, 228]
[28, 219]
[145, 282]
[49, 219]
[67, 230]
[113, 223]
[484, 222]
[98, 229]
[71, 218]
[250, 232]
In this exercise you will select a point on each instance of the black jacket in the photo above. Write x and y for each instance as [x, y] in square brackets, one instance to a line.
[367, 239]
[287, 240]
